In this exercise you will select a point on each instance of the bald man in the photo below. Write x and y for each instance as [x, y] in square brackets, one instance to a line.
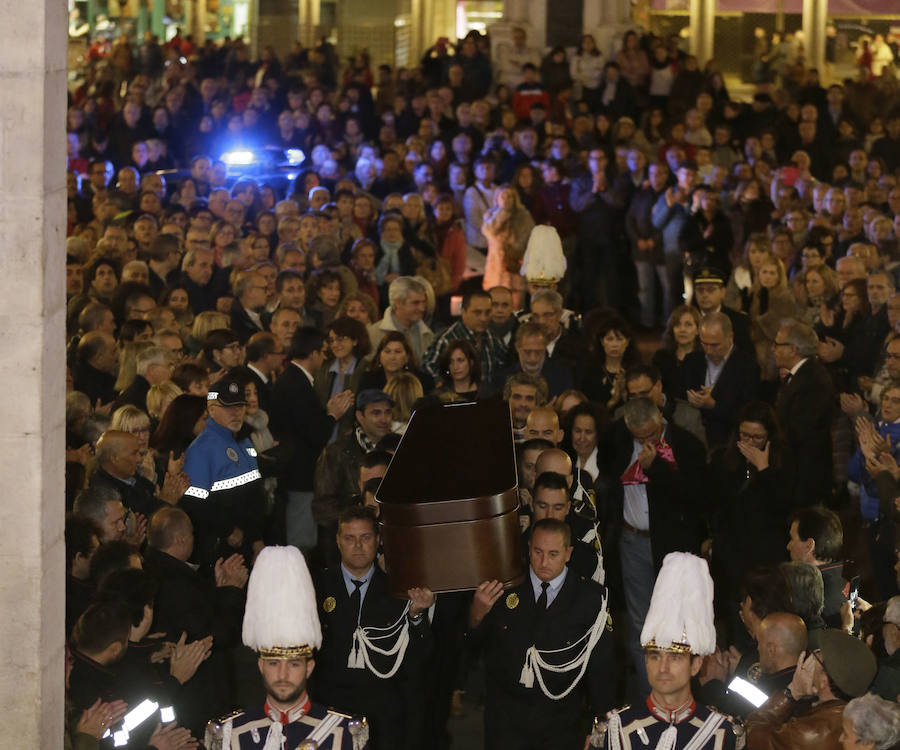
[582, 514]
[781, 638]
[118, 458]
[555, 460]
[543, 422]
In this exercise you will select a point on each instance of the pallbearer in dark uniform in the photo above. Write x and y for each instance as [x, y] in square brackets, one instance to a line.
[373, 644]
[546, 647]
[282, 625]
[551, 500]
[678, 632]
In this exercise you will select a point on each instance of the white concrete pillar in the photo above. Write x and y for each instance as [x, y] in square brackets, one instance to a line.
[32, 369]
[417, 31]
[308, 22]
[815, 13]
[703, 17]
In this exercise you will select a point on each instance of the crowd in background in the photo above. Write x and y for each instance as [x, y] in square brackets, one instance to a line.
[387, 272]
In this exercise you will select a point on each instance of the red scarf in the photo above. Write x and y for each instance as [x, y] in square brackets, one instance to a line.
[635, 473]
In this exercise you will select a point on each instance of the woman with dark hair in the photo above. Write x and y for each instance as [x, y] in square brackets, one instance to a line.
[362, 263]
[460, 373]
[586, 67]
[751, 478]
[633, 61]
[610, 354]
[324, 292]
[393, 355]
[348, 345]
[181, 423]
[851, 336]
[555, 74]
[177, 298]
[583, 425]
[306, 181]
[527, 182]
[652, 134]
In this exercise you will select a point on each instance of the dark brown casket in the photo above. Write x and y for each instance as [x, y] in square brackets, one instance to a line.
[449, 506]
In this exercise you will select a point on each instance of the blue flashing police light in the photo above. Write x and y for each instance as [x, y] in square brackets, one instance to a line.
[239, 157]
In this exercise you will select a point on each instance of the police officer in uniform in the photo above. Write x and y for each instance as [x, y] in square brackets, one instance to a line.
[546, 643]
[281, 624]
[357, 613]
[678, 631]
[226, 498]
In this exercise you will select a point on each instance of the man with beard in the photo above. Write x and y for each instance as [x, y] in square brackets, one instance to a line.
[281, 624]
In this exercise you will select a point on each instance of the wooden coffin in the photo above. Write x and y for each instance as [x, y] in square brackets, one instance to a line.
[448, 502]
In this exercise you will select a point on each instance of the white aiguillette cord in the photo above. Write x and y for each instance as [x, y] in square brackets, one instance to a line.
[325, 727]
[364, 642]
[535, 663]
[669, 736]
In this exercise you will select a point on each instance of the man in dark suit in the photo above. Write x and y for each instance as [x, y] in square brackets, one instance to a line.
[709, 294]
[154, 367]
[720, 379]
[189, 603]
[532, 358]
[805, 407]
[303, 425]
[354, 595]
[652, 505]
[249, 303]
[265, 356]
[551, 612]
[564, 345]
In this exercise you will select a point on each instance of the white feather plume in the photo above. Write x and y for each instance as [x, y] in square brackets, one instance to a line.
[281, 602]
[681, 608]
[544, 259]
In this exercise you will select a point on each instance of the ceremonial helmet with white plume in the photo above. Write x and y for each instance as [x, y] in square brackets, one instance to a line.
[280, 618]
[680, 618]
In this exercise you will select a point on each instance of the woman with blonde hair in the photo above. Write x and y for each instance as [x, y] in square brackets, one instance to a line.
[507, 227]
[221, 234]
[405, 389]
[771, 301]
[818, 287]
[159, 397]
[770, 290]
[128, 363]
[416, 219]
[740, 286]
[209, 320]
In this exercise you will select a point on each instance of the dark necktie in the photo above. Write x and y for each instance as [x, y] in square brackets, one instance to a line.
[356, 598]
[542, 599]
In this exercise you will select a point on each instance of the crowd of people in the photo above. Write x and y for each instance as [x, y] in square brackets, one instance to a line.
[245, 355]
